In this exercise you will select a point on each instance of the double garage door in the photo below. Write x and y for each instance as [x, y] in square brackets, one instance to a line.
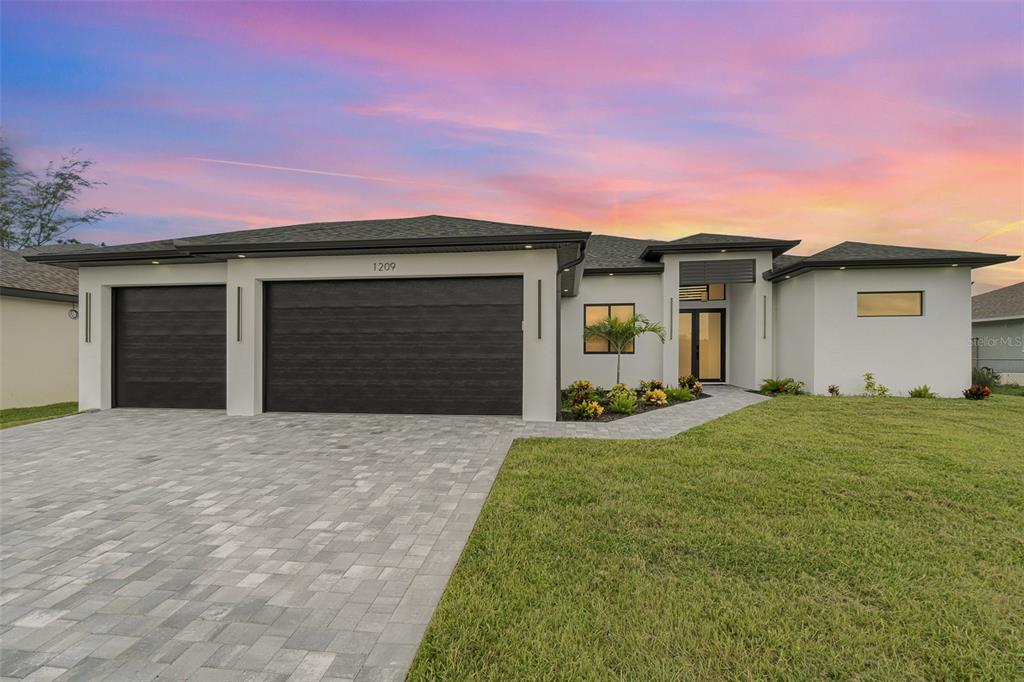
[416, 346]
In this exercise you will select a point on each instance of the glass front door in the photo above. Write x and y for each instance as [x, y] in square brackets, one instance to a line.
[702, 344]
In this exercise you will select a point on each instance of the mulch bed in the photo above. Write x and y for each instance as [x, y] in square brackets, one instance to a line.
[609, 416]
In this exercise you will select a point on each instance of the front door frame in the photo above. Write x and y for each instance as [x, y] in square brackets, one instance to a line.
[695, 341]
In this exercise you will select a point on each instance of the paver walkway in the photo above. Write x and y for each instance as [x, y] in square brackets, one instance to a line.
[185, 544]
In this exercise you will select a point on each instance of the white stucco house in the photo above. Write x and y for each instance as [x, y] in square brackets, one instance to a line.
[435, 314]
[998, 332]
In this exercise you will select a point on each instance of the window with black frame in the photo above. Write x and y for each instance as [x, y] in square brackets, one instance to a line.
[594, 313]
[702, 292]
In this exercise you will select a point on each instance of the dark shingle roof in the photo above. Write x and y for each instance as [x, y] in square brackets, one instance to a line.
[862, 254]
[429, 228]
[785, 261]
[17, 273]
[420, 227]
[703, 241]
[852, 251]
[56, 248]
[606, 253]
[1005, 302]
[707, 238]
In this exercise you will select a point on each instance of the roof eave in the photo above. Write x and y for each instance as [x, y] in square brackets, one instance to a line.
[58, 259]
[777, 247]
[970, 261]
[634, 270]
[184, 250]
[1004, 318]
[40, 295]
[366, 244]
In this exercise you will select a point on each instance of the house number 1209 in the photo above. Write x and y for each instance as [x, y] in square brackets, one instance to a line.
[384, 267]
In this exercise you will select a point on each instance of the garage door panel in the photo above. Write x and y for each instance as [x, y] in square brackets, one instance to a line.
[170, 347]
[448, 346]
[375, 321]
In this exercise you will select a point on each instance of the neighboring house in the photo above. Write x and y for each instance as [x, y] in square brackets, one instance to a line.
[998, 332]
[448, 315]
[38, 337]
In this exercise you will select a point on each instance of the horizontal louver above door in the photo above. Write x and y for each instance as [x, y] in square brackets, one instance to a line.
[733, 271]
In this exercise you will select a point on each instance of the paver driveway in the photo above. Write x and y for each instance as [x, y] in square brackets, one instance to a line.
[186, 544]
[190, 545]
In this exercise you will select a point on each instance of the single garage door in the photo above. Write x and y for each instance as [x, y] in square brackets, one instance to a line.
[412, 346]
[170, 347]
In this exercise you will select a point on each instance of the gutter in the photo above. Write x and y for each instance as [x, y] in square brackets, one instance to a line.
[573, 271]
[1010, 318]
[970, 261]
[184, 245]
[184, 249]
[636, 270]
[777, 247]
[38, 295]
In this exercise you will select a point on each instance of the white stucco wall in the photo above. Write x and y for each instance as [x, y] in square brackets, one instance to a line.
[902, 352]
[749, 339]
[794, 329]
[38, 352]
[644, 291]
[244, 357]
[94, 300]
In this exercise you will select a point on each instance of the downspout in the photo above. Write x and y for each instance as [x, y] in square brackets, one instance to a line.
[558, 325]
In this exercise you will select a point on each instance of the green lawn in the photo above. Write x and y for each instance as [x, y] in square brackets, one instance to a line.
[16, 416]
[1009, 389]
[802, 538]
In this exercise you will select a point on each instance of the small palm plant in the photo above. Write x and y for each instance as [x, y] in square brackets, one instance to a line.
[620, 333]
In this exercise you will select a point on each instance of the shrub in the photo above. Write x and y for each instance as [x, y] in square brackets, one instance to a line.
[923, 391]
[691, 382]
[833, 390]
[623, 403]
[580, 391]
[873, 389]
[656, 396]
[652, 385]
[787, 386]
[977, 392]
[588, 409]
[983, 376]
[621, 389]
[681, 394]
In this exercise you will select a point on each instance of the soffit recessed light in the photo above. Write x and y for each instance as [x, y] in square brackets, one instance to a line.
[241, 255]
[723, 250]
[611, 274]
[528, 246]
[155, 262]
[787, 276]
[565, 290]
[842, 267]
[956, 265]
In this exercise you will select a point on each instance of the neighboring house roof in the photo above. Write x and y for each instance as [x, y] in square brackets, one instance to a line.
[410, 233]
[55, 248]
[861, 254]
[1005, 303]
[704, 242]
[606, 253]
[20, 278]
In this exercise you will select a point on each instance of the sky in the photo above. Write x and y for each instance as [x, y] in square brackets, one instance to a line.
[899, 123]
